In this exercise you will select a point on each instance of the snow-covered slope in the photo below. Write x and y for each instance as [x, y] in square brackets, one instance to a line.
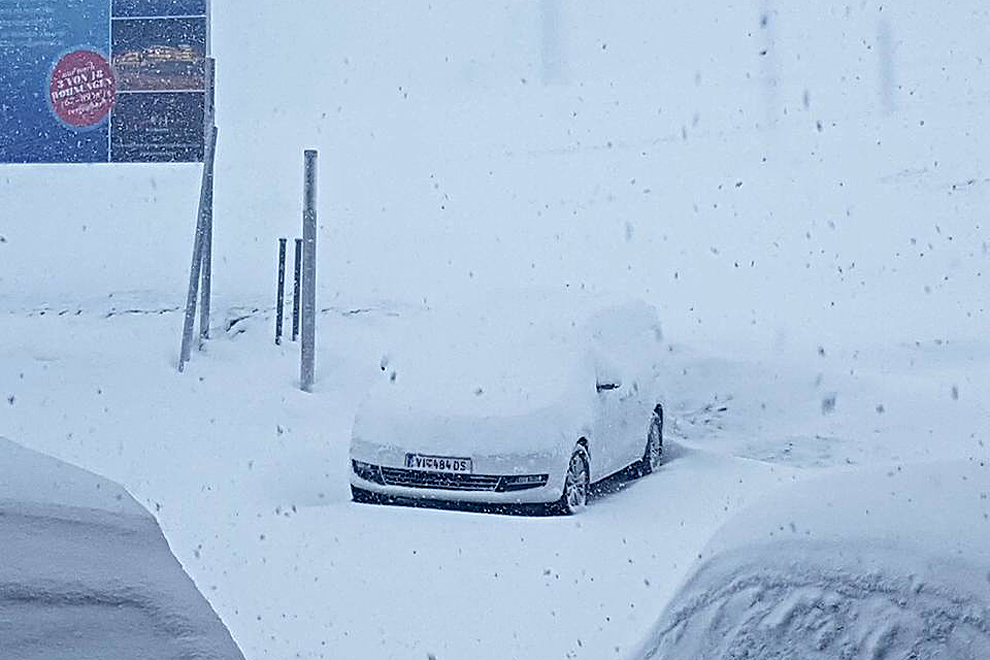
[763, 170]
[85, 573]
[875, 564]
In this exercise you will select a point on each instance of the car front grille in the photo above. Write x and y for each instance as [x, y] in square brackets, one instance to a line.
[438, 480]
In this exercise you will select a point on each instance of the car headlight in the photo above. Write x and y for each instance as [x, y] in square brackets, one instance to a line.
[367, 471]
[523, 481]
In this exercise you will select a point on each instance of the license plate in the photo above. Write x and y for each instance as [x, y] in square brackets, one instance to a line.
[438, 464]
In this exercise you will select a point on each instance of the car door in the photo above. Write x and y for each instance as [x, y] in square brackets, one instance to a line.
[624, 340]
[636, 406]
[615, 405]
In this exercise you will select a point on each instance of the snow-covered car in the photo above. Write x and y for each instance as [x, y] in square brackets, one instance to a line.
[514, 407]
[888, 563]
[86, 574]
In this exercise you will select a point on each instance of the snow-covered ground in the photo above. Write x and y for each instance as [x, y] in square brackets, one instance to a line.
[85, 573]
[801, 191]
[248, 478]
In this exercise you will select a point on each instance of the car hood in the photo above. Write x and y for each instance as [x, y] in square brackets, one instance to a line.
[386, 423]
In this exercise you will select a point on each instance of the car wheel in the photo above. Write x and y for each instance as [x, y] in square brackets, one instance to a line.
[362, 496]
[577, 483]
[653, 455]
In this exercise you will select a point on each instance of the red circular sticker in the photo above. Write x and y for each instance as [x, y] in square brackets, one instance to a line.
[83, 89]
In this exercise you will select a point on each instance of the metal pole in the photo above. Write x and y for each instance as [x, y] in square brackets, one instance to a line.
[209, 115]
[307, 368]
[197, 259]
[280, 292]
[209, 100]
[204, 307]
[295, 290]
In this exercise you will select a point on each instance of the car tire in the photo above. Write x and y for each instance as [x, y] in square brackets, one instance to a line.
[362, 496]
[653, 454]
[577, 484]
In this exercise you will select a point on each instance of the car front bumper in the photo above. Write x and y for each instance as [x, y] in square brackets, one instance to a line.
[537, 488]
[491, 472]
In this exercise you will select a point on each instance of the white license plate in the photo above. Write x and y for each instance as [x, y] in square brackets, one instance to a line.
[438, 464]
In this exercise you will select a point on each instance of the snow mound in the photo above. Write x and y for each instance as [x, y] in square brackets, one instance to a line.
[890, 563]
[86, 574]
[816, 602]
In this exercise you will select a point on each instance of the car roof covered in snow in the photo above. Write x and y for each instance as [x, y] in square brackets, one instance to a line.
[27, 477]
[890, 562]
[86, 573]
[508, 352]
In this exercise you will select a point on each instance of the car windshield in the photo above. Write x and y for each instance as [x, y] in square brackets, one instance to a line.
[463, 359]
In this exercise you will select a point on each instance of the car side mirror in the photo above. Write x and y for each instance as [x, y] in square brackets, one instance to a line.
[605, 387]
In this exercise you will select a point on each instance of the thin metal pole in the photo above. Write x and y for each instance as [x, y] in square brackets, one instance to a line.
[197, 259]
[204, 307]
[209, 102]
[307, 368]
[295, 290]
[280, 292]
[210, 117]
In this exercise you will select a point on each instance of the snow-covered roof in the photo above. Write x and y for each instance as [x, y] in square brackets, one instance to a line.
[30, 478]
[509, 352]
[890, 562]
[86, 574]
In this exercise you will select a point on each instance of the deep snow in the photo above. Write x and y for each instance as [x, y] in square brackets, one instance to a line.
[801, 190]
[248, 478]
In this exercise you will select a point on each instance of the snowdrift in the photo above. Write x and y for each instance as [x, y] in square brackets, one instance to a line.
[887, 565]
[86, 574]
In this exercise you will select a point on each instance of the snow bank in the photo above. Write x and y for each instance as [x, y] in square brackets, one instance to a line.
[85, 573]
[888, 564]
